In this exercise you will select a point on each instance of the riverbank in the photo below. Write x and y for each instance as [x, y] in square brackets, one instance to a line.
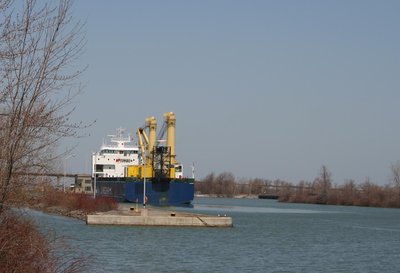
[322, 190]
[59, 210]
[68, 204]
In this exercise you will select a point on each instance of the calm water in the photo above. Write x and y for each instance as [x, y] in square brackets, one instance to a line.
[267, 237]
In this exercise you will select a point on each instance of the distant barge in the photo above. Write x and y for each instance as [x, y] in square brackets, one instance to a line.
[268, 196]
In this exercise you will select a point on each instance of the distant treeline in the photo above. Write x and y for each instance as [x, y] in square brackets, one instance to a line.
[320, 191]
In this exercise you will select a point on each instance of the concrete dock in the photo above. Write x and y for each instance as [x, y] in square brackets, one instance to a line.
[151, 216]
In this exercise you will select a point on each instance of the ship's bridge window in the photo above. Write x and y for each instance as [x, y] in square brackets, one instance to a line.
[107, 151]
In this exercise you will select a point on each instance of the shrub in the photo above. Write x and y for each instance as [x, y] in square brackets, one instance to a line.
[23, 248]
[78, 201]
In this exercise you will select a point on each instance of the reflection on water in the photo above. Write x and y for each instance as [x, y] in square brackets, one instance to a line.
[377, 228]
[251, 209]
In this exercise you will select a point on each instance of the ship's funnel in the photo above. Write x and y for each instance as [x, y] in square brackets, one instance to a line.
[171, 120]
[151, 122]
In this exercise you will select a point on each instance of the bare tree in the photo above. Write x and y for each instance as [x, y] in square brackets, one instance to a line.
[207, 184]
[395, 168]
[256, 186]
[323, 184]
[38, 47]
[225, 184]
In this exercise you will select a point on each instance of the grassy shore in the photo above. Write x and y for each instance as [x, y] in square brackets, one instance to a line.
[71, 204]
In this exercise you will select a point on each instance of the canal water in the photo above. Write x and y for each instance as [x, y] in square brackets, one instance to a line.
[267, 236]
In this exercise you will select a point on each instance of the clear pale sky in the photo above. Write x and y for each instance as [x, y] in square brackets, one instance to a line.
[268, 89]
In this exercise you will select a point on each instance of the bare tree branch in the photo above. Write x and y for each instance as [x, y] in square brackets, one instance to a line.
[38, 47]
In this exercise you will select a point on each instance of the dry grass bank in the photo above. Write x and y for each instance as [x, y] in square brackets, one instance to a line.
[76, 201]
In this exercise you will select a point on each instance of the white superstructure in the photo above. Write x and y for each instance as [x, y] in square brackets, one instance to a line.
[114, 157]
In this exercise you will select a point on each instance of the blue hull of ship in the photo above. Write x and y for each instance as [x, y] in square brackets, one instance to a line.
[172, 193]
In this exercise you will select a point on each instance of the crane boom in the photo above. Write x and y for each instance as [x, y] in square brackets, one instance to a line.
[159, 160]
[140, 138]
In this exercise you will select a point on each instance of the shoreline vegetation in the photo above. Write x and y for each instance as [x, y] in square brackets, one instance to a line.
[75, 205]
[24, 247]
[321, 190]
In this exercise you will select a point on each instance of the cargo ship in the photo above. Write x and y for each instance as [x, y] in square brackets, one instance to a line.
[147, 172]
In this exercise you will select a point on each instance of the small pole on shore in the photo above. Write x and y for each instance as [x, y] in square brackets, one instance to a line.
[94, 186]
[94, 177]
[144, 184]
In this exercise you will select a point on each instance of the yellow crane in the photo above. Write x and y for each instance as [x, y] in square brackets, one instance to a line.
[157, 161]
